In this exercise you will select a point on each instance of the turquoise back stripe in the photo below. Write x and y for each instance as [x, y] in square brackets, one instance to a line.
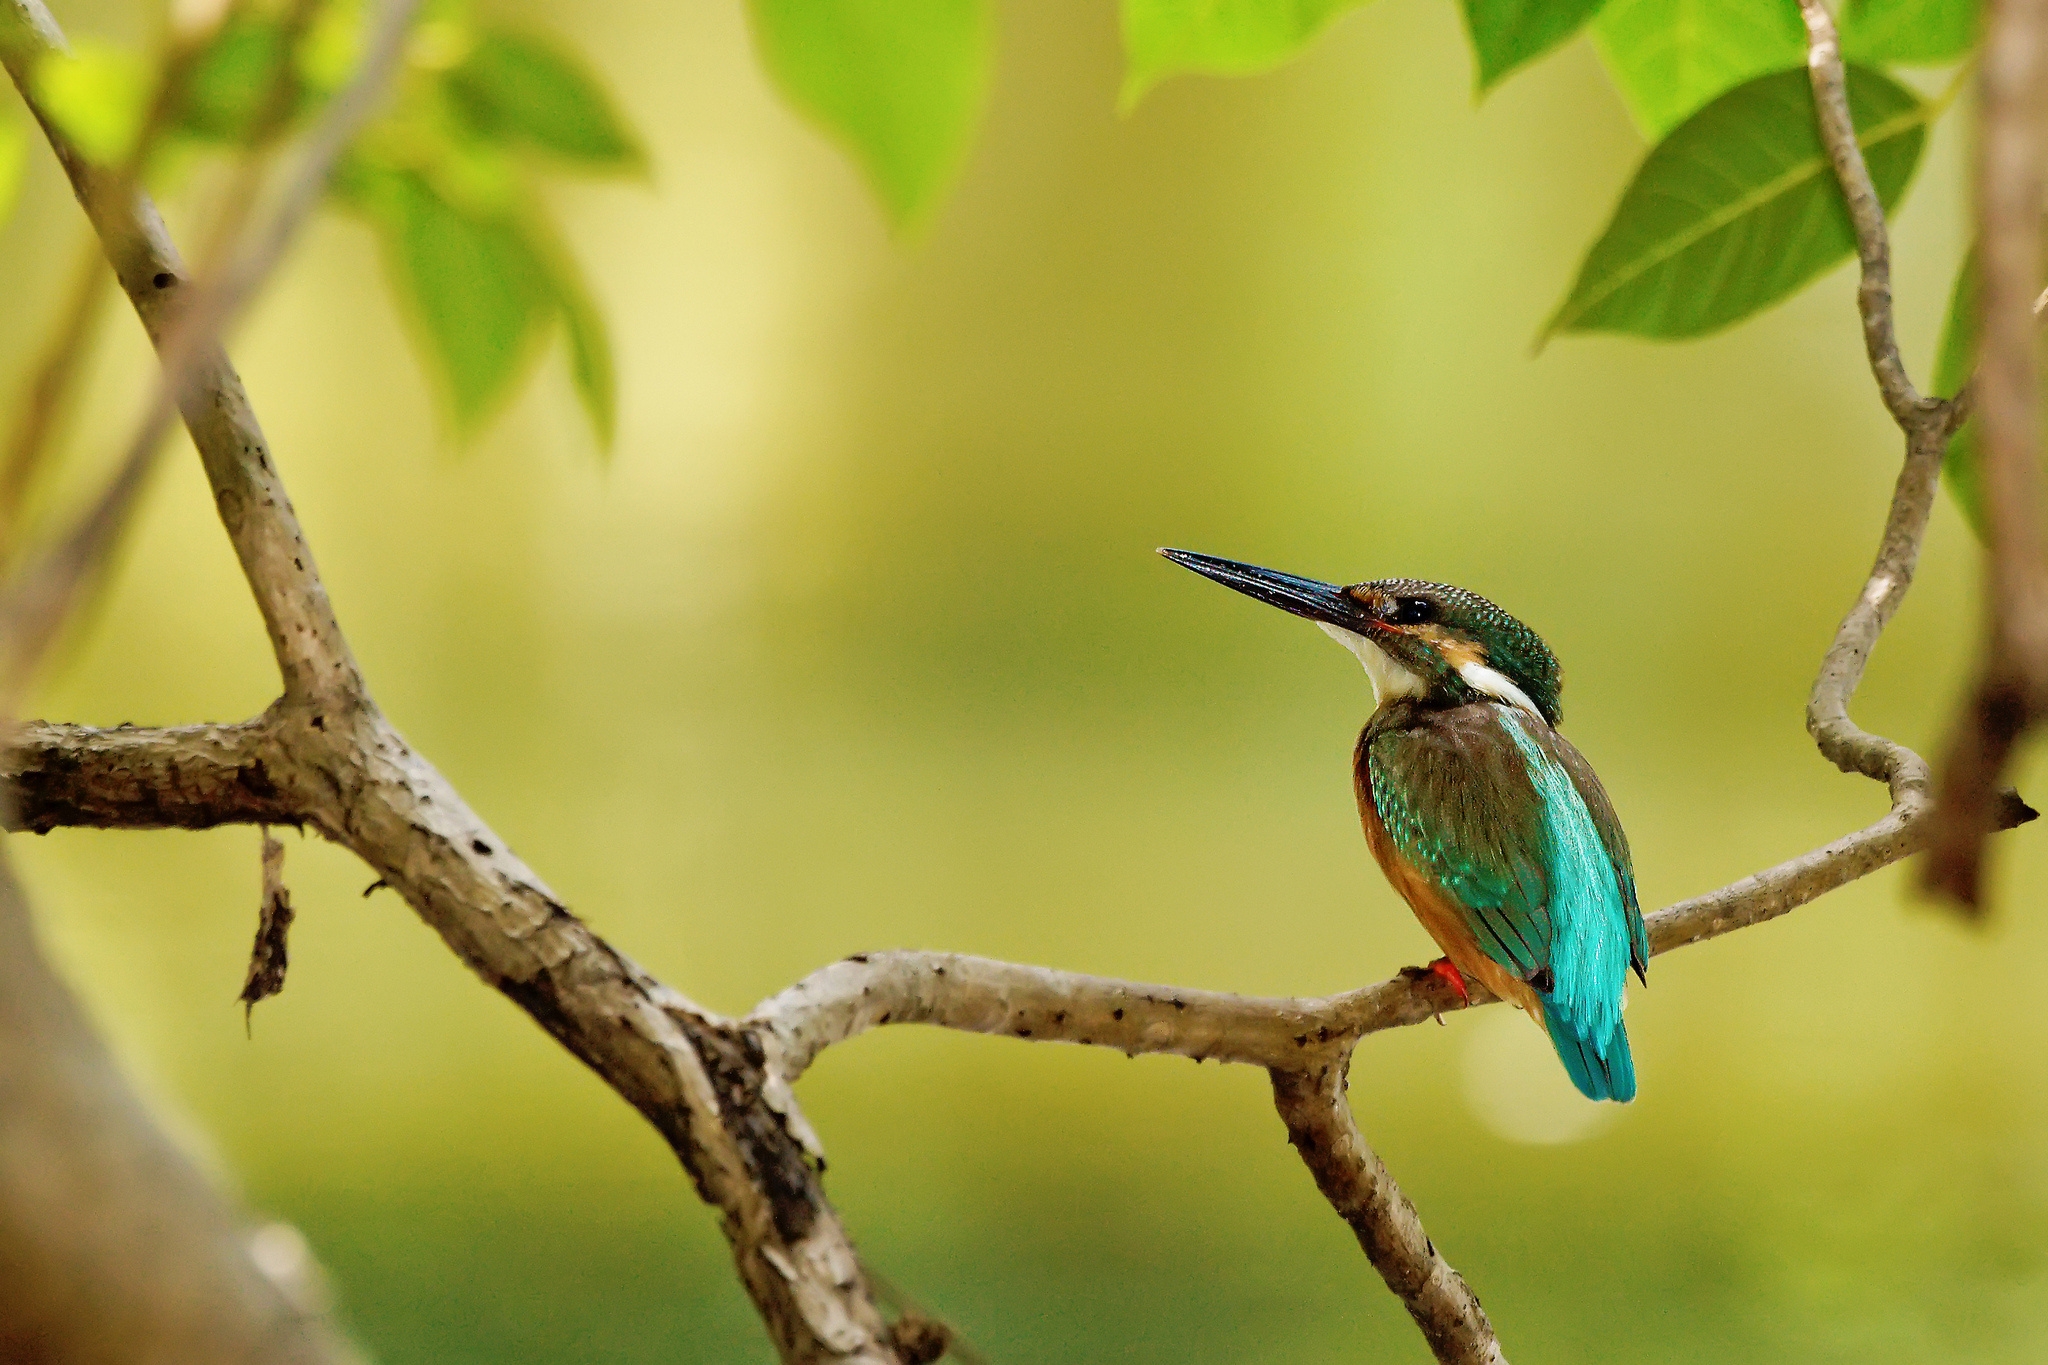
[1589, 927]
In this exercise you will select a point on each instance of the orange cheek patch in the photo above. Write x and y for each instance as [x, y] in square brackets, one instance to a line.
[1455, 650]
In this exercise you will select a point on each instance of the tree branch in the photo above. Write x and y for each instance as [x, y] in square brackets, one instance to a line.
[346, 771]
[1866, 215]
[1352, 1177]
[197, 777]
[250, 497]
[2012, 687]
[193, 777]
[39, 599]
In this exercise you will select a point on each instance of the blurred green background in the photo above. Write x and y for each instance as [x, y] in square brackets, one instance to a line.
[859, 642]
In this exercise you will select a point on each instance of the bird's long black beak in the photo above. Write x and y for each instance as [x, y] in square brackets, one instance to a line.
[1302, 596]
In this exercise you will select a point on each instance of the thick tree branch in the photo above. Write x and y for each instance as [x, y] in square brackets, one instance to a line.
[2012, 688]
[346, 771]
[192, 777]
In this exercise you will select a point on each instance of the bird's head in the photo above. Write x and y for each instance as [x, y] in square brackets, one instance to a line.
[1440, 645]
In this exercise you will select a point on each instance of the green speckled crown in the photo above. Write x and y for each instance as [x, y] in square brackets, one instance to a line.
[1509, 646]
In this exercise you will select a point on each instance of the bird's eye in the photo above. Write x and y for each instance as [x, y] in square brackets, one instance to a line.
[1410, 611]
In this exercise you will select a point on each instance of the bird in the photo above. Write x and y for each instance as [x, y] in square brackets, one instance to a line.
[1485, 819]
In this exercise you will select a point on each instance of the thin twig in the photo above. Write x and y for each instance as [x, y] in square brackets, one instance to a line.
[276, 560]
[35, 606]
[43, 406]
[1866, 215]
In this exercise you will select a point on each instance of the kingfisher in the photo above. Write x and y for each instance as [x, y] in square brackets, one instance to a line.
[1484, 818]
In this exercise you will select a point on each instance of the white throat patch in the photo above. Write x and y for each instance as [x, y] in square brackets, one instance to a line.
[1390, 677]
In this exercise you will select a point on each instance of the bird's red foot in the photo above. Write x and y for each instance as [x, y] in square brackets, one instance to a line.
[1448, 971]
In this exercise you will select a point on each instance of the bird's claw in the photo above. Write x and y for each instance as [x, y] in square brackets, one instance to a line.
[1446, 969]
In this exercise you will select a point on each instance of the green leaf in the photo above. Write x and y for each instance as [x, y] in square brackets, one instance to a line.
[590, 348]
[232, 79]
[477, 292]
[1910, 32]
[590, 365]
[900, 82]
[1215, 37]
[1738, 208]
[1960, 466]
[1669, 58]
[98, 97]
[1508, 33]
[518, 88]
[13, 161]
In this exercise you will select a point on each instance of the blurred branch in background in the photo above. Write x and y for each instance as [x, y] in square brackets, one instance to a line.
[39, 415]
[720, 1090]
[2012, 687]
[112, 1246]
[38, 600]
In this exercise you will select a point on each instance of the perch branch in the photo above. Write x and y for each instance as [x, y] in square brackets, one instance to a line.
[198, 777]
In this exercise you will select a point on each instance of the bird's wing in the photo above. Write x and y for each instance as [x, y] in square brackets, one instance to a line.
[1491, 804]
[1453, 792]
[1612, 838]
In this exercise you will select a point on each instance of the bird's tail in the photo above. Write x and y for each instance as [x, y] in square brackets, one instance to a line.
[1612, 1077]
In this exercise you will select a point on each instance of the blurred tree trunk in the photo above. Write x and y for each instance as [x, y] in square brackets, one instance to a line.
[113, 1246]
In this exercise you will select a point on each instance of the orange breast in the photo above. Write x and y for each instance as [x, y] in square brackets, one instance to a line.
[1438, 913]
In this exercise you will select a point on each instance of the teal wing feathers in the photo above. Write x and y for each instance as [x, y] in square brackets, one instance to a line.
[1616, 842]
[1509, 821]
[1453, 794]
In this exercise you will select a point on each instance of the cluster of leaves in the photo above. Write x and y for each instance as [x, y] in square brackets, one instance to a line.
[1733, 209]
[444, 175]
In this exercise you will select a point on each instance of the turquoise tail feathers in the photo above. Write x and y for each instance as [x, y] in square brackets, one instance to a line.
[1612, 1077]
